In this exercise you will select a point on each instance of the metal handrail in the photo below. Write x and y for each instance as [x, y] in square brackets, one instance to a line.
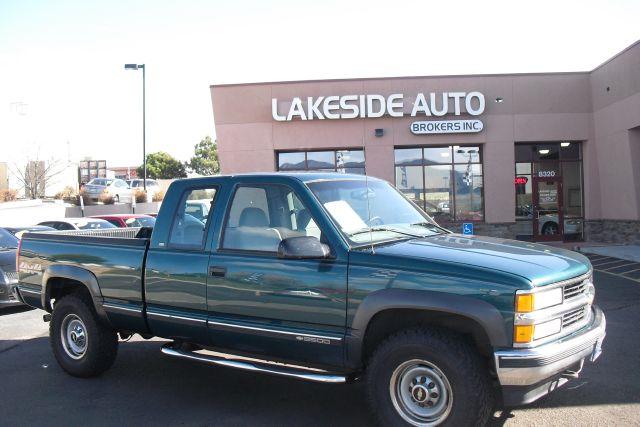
[128, 232]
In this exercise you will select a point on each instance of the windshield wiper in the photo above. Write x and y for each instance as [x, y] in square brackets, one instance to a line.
[393, 230]
[431, 226]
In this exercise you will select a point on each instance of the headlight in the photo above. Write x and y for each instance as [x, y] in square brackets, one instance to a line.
[526, 303]
[527, 333]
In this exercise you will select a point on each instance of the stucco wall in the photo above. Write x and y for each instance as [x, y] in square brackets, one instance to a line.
[535, 107]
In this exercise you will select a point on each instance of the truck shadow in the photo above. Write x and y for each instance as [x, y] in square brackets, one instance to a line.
[145, 386]
[5, 311]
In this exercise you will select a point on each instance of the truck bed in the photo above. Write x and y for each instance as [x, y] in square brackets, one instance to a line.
[115, 257]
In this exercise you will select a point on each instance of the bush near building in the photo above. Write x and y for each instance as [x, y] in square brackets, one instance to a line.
[86, 199]
[8, 195]
[158, 196]
[107, 199]
[67, 194]
[140, 195]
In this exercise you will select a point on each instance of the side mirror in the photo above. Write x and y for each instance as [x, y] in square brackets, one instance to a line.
[303, 247]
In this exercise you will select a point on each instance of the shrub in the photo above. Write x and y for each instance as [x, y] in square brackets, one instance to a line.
[158, 196]
[107, 199]
[140, 195]
[8, 195]
[85, 198]
[66, 194]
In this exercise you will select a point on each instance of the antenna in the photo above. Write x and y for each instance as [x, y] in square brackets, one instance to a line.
[366, 184]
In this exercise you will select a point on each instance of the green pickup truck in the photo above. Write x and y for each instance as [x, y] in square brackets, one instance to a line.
[323, 277]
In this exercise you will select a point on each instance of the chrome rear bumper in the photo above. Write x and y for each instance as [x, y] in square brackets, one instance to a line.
[525, 367]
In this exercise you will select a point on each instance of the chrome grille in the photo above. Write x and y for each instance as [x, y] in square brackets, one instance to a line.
[572, 317]
[574, 290]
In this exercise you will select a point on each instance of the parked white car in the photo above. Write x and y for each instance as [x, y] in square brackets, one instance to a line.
[117, 188]
[153, 186]
[78, 224]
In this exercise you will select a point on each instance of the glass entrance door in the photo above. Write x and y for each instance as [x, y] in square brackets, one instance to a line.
[547, 209]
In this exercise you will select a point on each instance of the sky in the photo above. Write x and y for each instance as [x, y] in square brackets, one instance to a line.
[64, 92]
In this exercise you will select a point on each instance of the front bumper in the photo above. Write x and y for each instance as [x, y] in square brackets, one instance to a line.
[528, 374]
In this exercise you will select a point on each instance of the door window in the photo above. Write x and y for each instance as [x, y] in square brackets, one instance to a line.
[188, 230]
[262, 216]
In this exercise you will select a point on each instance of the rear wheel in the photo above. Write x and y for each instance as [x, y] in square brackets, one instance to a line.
[550, 228]
[82, 345]
[426, 378]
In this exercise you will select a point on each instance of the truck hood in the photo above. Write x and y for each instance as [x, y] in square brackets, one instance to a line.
[539, 264]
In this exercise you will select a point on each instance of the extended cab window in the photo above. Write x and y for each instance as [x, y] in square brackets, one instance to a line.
[189, 224]
[262, 216]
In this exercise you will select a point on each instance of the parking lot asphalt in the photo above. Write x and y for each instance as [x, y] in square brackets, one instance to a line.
[145, 387]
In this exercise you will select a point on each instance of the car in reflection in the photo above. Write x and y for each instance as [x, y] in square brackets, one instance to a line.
[549, 225]
[128, 220]
[78, 224]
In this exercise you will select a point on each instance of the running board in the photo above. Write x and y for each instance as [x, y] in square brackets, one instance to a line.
[254, 365]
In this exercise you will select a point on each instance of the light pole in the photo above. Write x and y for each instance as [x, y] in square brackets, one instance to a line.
[144, 148]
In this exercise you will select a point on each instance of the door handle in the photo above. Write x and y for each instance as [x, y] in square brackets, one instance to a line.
[217, 271]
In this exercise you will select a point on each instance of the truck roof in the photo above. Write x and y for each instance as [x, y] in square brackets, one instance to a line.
[301, 176]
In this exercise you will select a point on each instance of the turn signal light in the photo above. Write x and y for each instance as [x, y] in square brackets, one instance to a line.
[524, 303]
[523, 334]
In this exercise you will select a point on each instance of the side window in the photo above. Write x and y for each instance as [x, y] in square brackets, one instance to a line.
[262, 216]
[114, 222]
[188, 230]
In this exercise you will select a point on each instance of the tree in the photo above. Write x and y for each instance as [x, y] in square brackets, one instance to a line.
[162, 165]
[37, 174]
[205, 158]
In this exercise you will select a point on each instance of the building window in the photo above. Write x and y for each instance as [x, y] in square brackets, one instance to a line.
[549, 193]
[445, 181]
[343, 161]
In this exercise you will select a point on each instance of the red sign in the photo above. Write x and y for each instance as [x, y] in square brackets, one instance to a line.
[521, 180]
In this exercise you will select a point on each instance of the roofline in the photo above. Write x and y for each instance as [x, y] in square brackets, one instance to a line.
[438, 76]
[626, 49]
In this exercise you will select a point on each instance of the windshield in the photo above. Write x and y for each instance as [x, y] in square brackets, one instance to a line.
[7, 240]
[375, 214]
[141, 222]
[100, 181]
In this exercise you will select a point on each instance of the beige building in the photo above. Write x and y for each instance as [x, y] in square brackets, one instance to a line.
[4, 176]
[553, 156]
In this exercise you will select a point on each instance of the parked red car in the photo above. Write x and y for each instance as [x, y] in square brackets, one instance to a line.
[128, 220]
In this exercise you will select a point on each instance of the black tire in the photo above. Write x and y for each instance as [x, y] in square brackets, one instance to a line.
[550, 228]
[101, 345]
[470, 400]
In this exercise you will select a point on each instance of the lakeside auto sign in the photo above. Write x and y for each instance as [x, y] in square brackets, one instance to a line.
[373, 106]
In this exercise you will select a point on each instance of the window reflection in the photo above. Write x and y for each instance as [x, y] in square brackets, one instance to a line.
[449, 186]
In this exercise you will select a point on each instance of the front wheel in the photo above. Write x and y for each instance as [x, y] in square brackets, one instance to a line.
[82, 345]
[423, 377]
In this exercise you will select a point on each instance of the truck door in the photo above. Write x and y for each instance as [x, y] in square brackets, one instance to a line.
[259, 303]
[176, 270]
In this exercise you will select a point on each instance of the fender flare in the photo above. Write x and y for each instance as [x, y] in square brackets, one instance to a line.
[483, 313]
[72, 272]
